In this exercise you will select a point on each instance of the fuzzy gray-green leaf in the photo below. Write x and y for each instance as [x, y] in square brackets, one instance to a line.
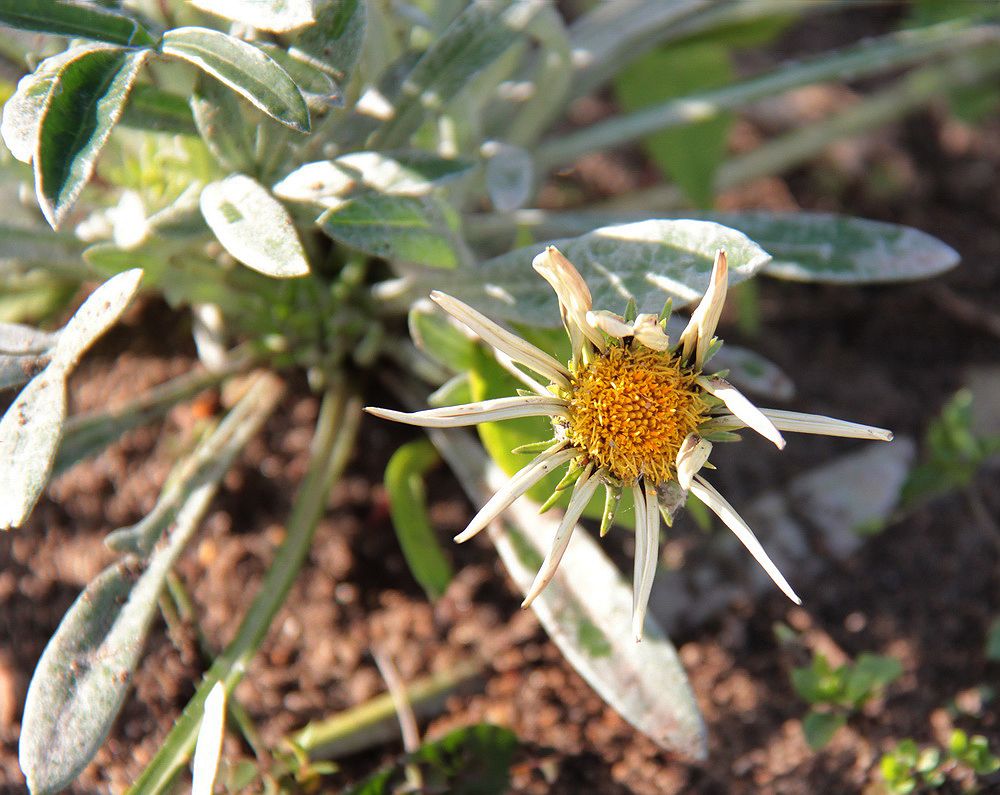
[647, 261]
[86, 99]
[335, 40]
[75, 21]
[411, 229]
[277, 16]
[244, 68]
[253, 226]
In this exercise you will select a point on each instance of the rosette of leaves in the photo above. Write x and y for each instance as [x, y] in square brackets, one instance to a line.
[294, 175]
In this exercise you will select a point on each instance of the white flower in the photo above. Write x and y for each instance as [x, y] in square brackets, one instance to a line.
[629, 410]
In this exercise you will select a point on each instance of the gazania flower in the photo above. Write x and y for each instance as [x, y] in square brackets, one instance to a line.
[631, 410]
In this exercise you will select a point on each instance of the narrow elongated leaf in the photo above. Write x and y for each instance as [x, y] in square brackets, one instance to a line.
[22, 113]
[244, 68]
[334, 42]
[32, 426]
[74, 20]
[253, 227]
[481, 34]
[804, 246]
[24, 352]
[39, 244]
[277, 16]
[586, 610]
[648, 261]
[84, 672]
[412, 229]
[404, 484]
[414, 173]
[86, 99]
[510, 175]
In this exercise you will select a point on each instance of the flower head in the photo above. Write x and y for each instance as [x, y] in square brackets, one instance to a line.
[630, 410]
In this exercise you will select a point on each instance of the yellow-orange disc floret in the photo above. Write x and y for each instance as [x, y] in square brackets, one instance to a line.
[631, 408]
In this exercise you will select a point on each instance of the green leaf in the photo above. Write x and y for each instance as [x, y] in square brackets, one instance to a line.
[221, 124]
[412, 173]
[151, 108]
[510, 175]
[404, 484]
[480, 35]
[31, 428]
[277, 16]
[805, 246]
[420, 230]
[86, 99]
[335, 40]
[648, 261]
[245, 69]
[24, 351]
[22, 113]
[689, 155]
[39, 244]
[819, 727]
[435, 334]
[474, 760]
[319, 89]
[74, 20]
[254, 227]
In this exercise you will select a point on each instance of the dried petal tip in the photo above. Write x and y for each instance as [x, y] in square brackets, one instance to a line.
[574, 296]
[701, 327]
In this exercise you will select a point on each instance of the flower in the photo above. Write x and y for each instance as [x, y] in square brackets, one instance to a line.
[630, 410]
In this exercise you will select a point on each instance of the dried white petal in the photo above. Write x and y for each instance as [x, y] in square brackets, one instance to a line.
[647, 550]
[691, 457]
[648, 330]
[583, 491]
[474, 413]
[610, 323]
[740, 406]
[518, 349]
[700, 329]
[520, 482]
[574, 296]
[817, 424]
[705, 492]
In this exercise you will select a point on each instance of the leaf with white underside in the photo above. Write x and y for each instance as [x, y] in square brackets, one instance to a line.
[649, 261]
[245, 69]
[31, 428]
[587, 610]
[253, 226]
[276, 16]
[85, 101]
[417, 229]
[208, 749]
[22, 113]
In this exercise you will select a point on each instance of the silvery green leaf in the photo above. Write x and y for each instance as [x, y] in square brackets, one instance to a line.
[648, 261]
[510, 176]
[32, 426]
[334, 42]
[822, 247]
[482, 33]
[39, 244]
[276, 16]
[23, 353]
[95, 316]
[399, 173]
[253, 227]
[320, 90]
[29, 436]
[22, 113]
[587, 610]
[74, 20]
[244, 68]
[83, 674]
[753, 372]
[412, 229]
[83, 104]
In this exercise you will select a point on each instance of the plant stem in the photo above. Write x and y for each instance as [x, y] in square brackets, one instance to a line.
[333, 442]
[888, 52]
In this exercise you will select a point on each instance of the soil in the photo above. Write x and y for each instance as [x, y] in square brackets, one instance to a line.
[924, 590]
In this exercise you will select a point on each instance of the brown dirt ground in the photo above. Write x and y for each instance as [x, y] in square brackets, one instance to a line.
[924, 590]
